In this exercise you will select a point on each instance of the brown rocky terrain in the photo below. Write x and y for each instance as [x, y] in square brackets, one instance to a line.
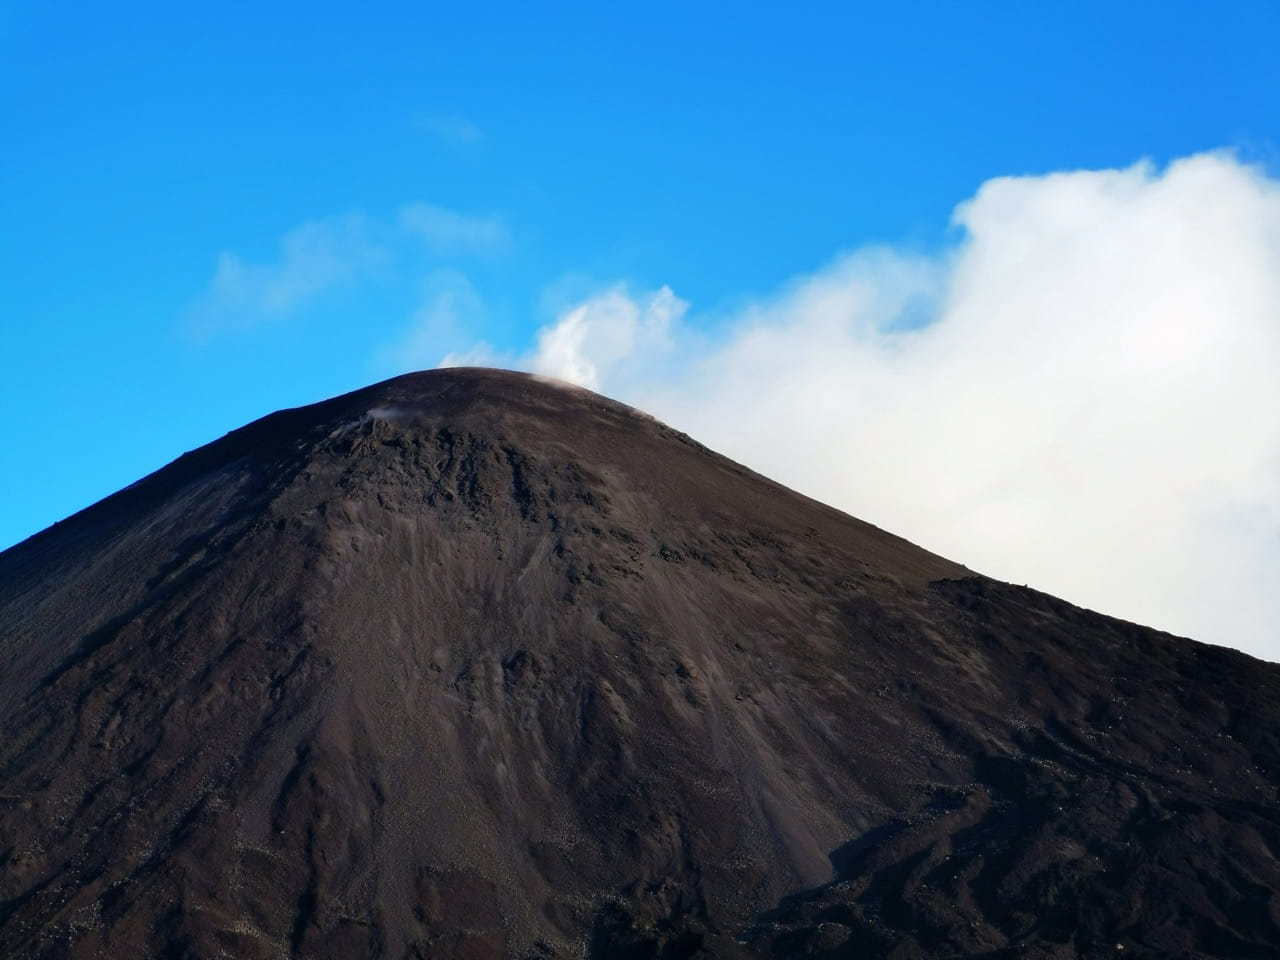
[468, 664]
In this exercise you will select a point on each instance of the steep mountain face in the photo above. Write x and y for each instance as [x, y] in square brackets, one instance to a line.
[471, 664]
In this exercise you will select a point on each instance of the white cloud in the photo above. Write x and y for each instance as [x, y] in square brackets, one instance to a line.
[450, 309]
[446, 231]
[314, 258]
[1082, 395]
[323, 256]
[455, 131]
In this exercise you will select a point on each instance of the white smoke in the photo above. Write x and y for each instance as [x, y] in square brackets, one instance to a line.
[591, 343]
[1083, 394]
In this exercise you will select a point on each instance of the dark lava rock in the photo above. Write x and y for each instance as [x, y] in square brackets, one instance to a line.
[468, 664]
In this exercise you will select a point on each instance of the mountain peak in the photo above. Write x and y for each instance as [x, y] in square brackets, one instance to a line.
[473, 663]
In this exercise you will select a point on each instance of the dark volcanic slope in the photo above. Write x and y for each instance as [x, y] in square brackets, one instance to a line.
[469, 664]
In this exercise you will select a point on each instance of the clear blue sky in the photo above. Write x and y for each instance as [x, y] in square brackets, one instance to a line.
[719, 149]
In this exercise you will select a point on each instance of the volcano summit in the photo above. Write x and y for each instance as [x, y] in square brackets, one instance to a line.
[472, 664]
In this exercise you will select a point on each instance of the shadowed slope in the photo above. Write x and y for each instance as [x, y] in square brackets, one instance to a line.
[467, 663]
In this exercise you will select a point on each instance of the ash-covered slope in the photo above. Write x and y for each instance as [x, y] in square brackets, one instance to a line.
[470, 664]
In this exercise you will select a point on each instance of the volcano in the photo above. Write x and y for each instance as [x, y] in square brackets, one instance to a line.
[474, 664]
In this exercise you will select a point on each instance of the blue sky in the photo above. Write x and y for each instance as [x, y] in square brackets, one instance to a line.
[211, 216]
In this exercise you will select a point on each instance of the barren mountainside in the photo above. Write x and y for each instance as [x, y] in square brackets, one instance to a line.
[470, 664]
